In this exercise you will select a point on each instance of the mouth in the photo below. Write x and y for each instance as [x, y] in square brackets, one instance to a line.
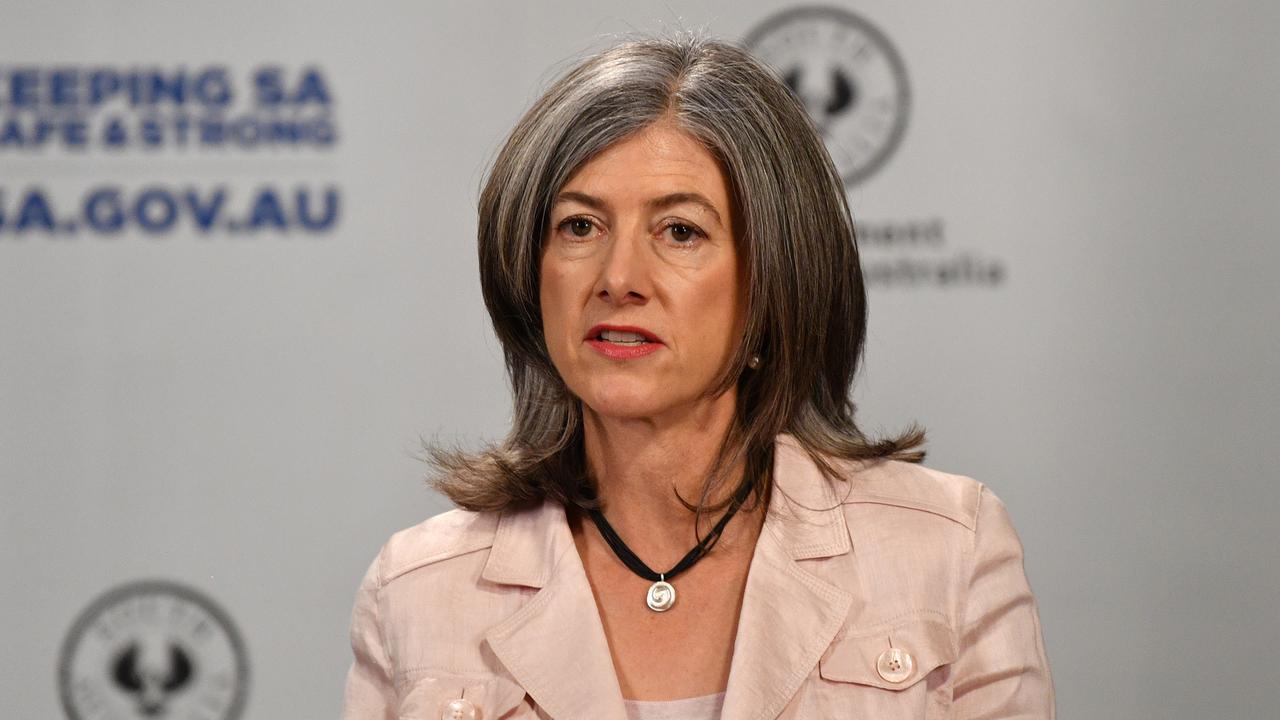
[622, 342]
[624, 335]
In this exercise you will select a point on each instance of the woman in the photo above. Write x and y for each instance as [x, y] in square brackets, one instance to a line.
[685, 521]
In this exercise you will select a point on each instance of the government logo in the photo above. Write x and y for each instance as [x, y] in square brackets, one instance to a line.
[153, 649]
[849, 77]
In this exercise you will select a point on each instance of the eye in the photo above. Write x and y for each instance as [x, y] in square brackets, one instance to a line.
[578, 226]
[683, 233]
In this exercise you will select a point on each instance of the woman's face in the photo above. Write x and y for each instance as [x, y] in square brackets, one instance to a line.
[641, 239]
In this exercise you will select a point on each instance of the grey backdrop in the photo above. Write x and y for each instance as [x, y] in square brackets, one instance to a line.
[240, 413]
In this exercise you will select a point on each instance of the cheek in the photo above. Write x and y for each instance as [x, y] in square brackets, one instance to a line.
[718, 310]
[556, 305]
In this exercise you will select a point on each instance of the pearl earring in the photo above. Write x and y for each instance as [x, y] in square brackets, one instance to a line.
[753, 362]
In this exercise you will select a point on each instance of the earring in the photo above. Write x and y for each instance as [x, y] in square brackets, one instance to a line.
[753, 362]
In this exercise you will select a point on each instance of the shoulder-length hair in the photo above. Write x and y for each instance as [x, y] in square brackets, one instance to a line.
[806, 303]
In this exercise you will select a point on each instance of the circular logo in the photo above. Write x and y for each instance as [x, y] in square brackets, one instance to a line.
[849, 77]
[153, 649]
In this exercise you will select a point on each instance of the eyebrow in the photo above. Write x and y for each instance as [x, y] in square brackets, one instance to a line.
[658, 203]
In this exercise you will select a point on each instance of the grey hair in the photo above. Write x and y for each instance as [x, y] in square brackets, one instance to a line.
[806, 302]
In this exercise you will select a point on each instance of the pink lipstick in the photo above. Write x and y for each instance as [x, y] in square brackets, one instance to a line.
[622, 342]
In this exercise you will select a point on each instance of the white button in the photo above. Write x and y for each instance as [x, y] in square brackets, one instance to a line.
[895, 665]
[459, 710]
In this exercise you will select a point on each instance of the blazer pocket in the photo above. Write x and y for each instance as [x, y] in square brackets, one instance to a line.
[878, 674]
[426, 695]
[894, 658]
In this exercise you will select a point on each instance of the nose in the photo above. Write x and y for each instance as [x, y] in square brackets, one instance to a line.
[624, 272]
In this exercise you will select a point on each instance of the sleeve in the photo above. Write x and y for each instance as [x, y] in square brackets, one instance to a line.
[370, 694]
[1002, 672]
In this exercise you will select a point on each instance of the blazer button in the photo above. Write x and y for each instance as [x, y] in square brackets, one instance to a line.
[459, 710]
[895, 665]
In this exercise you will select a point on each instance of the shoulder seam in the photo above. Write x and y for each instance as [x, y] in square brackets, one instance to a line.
[971, 557]
[377, 612]
[455, 551]
[469, 535]
[910, 504]
[960, 515]
[382, 567]
[909, 485]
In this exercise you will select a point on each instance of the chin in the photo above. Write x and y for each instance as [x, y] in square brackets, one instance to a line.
[632, 401]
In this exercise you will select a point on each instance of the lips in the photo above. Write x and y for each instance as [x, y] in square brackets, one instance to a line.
[595, 332]
[624, 342]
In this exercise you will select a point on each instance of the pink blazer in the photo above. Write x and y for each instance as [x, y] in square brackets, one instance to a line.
[906, 598]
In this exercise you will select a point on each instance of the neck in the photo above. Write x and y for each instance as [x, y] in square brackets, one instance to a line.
[640, 464]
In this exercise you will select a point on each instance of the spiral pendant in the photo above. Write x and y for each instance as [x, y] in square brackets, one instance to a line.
[661, 596]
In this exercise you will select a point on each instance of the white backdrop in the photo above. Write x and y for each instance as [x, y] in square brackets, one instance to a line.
[227, 394]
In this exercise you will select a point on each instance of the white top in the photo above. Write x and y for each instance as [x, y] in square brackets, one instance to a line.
[706, 707]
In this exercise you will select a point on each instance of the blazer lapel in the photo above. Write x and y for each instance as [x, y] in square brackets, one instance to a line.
[789, 615]
[554, 645]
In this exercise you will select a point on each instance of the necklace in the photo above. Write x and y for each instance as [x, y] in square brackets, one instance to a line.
[662, 595]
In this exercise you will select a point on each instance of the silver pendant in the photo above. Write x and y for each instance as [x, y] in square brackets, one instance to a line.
[661, 596]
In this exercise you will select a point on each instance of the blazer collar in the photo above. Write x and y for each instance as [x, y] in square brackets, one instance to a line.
[555, 644]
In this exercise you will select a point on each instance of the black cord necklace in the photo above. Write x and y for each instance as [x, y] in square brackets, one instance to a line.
[661, 594]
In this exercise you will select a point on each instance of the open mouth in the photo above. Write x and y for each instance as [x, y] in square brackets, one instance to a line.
[622, 338]
[623, 342]
[622, 335]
